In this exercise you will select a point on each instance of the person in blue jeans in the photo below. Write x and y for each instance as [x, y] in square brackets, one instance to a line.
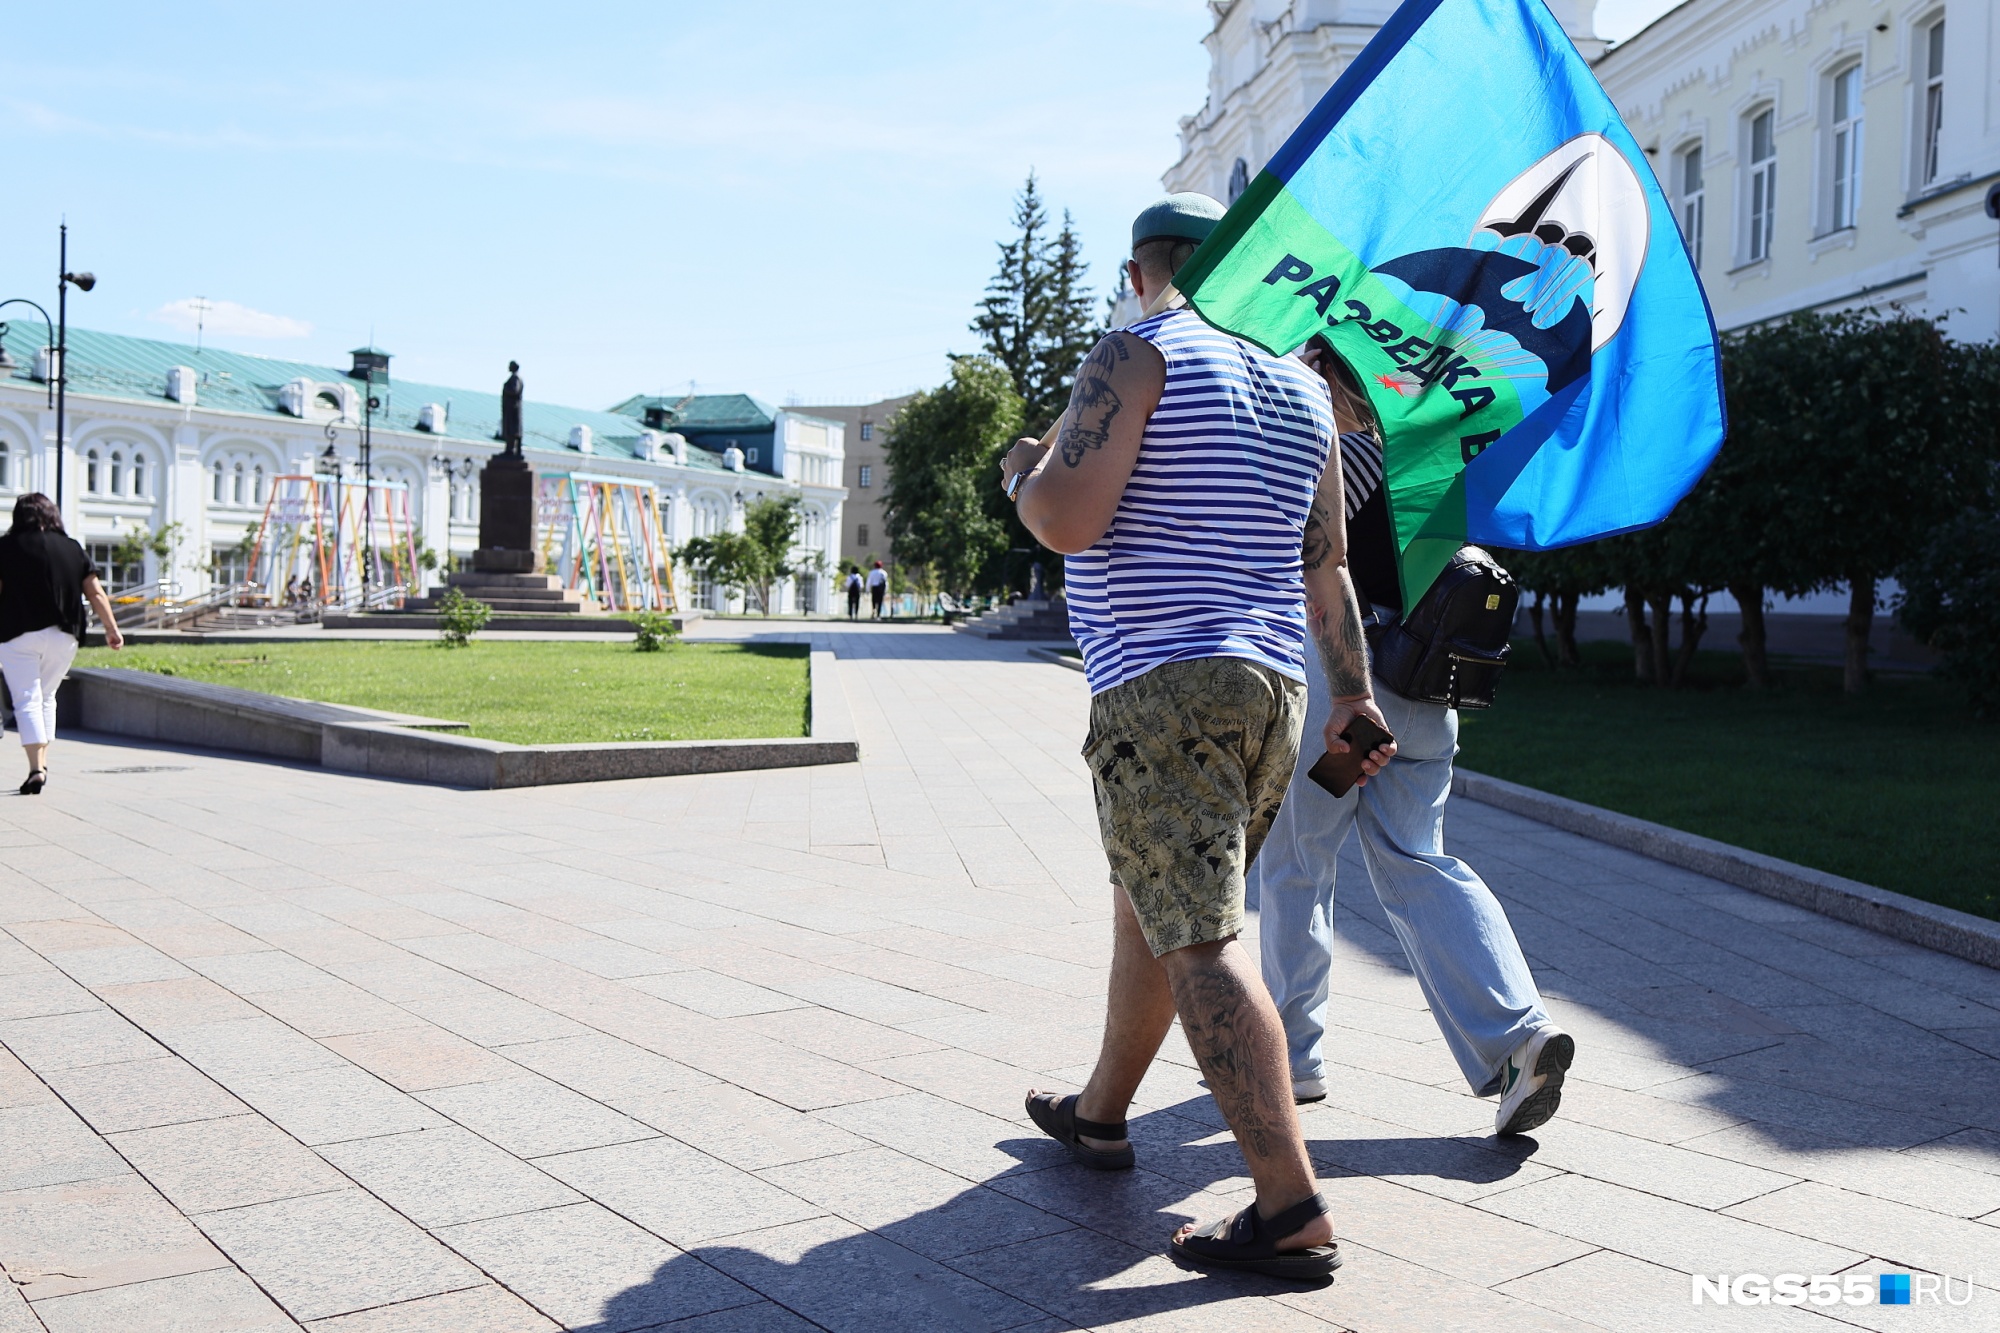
[1453, 930]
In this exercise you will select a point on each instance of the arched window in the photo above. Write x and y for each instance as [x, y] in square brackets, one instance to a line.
[257, 484]
[1692, 202]
[1761, 195]
[1930, 130]
[1843, 137]
[117, 473]
[215, 489]
[6, 466]
[1239, 179]
[237, 492]
[93, 472]
[139, 474]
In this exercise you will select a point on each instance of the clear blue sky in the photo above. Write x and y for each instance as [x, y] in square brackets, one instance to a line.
[787, 198]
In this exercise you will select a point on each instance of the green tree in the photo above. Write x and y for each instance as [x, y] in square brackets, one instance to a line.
[752, 562]
[1893, 438]
[942, 456]
[1558, 580]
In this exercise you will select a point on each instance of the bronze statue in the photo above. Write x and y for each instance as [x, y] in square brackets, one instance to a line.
[510, 411]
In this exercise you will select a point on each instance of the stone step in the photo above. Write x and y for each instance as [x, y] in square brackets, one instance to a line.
[479, 578]
[573, 604]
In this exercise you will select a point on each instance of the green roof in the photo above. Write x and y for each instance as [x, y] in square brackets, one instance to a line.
[705, 411]
[112, 365]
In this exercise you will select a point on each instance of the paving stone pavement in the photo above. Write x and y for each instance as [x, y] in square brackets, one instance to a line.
[746, 1052]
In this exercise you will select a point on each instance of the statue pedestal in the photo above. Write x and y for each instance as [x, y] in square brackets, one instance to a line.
[506, 517]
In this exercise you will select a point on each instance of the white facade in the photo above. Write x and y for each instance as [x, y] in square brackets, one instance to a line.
[146, 463]
[1270, 61]
[1822, 154]
[1826, 154]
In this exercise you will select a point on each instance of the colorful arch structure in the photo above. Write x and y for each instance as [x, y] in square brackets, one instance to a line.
[601, 535]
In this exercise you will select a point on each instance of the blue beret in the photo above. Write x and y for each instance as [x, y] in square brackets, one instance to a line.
[1182, 217]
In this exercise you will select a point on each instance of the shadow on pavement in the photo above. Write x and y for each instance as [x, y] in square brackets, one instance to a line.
[1047, 1239]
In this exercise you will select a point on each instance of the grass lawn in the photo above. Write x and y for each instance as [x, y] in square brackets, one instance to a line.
[526, 693]
[1898, 788]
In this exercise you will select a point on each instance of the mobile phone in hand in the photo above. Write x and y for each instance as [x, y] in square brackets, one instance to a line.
[1339, 772]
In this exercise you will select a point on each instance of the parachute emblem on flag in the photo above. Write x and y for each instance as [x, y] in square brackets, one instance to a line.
[1522, 312]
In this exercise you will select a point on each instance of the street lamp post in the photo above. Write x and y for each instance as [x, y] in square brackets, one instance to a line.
[55, 378]
[83, 283]
[371, 368]
[331, 458]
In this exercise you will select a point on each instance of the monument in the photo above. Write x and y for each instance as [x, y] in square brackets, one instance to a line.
[507, 494]
[503, 567]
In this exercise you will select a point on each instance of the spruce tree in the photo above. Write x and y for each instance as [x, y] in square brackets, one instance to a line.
[1011, 317]
[1068, 330]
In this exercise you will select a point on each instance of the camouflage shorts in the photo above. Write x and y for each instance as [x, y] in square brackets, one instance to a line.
[1190, 762]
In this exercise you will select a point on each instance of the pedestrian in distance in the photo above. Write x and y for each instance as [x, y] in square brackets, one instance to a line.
[878, 588]
[45, 578]
[1192, 484]
[1453, 930]
[854, 594]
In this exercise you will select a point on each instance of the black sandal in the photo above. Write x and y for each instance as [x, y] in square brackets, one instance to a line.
[1248, 1243]
[1056, 1116]
[36, 781]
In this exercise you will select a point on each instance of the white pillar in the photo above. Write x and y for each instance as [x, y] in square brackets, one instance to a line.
[186, 503]
[436, 530]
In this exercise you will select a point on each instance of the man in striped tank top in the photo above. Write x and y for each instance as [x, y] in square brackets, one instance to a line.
[1193, 487]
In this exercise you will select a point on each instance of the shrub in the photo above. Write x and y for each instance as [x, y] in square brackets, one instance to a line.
[653, 630]
[1951, 601]
[459, 618]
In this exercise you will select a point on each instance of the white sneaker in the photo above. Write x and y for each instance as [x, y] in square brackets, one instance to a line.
[1531, 1080]
[1307, 1090]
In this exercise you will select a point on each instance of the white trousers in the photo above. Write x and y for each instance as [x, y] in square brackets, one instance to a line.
[34, 664]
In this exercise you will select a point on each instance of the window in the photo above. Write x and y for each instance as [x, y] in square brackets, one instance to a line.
[1846, 141]
[867, 476]
[257, 484]
[93, 472]
[215, 488]
[861, 536]
[750, 454]
[1239, 179]
[1933, 103]
[867, 431]
[139, 475]
[1687, 177]
[229, 566]
[1762, 194]
[6, 466]
[117, 473]
[236, 491]
[115, 574]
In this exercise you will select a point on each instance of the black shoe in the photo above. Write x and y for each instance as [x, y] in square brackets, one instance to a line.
[36, 781]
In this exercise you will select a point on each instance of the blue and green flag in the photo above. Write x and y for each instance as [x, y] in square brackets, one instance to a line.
[1465, 218]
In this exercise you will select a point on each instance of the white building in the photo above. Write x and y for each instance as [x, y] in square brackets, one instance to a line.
[1822, 154]
[167, 438]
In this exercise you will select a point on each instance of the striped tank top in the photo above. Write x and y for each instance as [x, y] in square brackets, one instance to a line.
[1202, 557]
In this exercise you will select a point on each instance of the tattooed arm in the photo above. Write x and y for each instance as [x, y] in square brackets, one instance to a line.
[1333, 617]
[1073, 488]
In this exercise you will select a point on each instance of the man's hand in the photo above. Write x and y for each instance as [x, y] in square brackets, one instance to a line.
[114, 638]
[1343, 715]
[1026, 455]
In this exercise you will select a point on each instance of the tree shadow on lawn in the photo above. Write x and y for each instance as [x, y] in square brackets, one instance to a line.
[1048, 1238]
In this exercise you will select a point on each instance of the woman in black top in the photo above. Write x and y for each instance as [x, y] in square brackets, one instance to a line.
[44, 578]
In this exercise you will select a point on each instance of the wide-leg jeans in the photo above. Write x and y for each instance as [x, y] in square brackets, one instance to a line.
[1453, 930]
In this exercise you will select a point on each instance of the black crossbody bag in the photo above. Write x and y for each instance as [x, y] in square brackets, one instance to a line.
[1452, 647]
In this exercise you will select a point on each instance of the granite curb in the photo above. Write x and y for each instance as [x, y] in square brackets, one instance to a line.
[119, 701]
[1893, 914]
